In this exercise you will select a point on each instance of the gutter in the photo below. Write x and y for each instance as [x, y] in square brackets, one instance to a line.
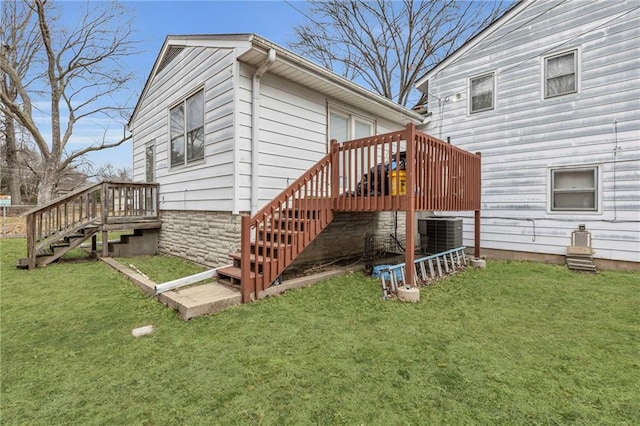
[255, 126]
[321, 73]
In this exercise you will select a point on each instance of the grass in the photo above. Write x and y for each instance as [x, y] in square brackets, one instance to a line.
[517, 343]
[163, 268]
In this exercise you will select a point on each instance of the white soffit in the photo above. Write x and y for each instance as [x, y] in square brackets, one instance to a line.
[294, 68]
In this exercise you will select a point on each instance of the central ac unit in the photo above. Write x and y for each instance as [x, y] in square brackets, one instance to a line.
[438, 234]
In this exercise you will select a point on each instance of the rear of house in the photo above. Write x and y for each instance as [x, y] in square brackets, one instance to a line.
[550, 94]
[226, 122]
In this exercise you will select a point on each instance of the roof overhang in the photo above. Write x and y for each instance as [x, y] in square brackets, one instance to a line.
[290, 66]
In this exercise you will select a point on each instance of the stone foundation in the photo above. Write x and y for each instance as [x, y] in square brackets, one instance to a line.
[200, 236]
[345, 235]
[209, 237]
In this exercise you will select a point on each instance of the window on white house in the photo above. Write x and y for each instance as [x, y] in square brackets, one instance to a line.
[344, 126]
[482, 89]
[560, 74]
[574, 189]
[187, 130]
[150, 162]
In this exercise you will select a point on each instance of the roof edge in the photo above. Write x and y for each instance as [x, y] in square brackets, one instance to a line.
[514, 10]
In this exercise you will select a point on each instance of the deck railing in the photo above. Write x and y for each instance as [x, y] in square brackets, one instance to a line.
[273, 237]
[99, 204]
[399, 171]
[383, 173]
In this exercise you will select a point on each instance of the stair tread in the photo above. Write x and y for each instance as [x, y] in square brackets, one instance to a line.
[233, 271]
[281, 231]
[269, 244]
[252, 257]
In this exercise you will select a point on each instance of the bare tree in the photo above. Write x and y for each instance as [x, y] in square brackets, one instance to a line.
[389, 45]
[113, 173]
[17, 28]
[20, 166]
[81, 72]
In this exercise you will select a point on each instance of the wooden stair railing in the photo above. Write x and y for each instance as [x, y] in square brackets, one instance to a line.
[63, 224]
[273, 237]
[404, 170]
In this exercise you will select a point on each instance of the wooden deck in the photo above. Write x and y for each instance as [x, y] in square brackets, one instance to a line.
[64, 223]
[398, 171]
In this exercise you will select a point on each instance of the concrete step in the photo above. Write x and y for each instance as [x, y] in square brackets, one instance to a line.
[200, 300]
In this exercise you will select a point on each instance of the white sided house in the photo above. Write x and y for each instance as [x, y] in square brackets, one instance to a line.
[550, 95]
[226, 122]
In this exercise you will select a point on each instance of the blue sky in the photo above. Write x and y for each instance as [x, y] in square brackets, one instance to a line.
[154, 20]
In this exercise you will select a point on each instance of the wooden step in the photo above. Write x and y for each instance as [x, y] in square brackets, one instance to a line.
[285, 236]
[237, 259]
[267, 248]
[293, 224]
[231, 275]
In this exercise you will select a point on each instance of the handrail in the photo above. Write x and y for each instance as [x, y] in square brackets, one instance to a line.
[307, 204]
[384, 172]
[403, 170]
[93, 205]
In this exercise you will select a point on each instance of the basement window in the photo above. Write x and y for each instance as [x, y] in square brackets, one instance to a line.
[574, 189]
[186, 123]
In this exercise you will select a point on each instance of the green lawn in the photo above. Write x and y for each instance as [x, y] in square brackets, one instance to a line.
[517, 343]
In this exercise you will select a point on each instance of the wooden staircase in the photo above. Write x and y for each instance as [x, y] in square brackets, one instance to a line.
[273, 237]
[60, 226]
[403, 170]
[276, 243]
[59, 247]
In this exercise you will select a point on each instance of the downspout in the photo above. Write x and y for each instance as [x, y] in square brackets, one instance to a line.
[255, 127]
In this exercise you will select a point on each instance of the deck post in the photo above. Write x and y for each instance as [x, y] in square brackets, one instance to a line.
[104, 203]
[31, 241]
[335, 171]
[246, 283]
[410, 216]
[476, 218]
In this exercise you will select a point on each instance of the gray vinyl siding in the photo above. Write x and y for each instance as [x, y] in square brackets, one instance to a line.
[293, 133]
[525, 135]
[207, 185]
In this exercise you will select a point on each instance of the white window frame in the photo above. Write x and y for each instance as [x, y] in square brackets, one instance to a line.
[597, 189]
[183, 103]
[351, 120]
[577, 73]
[470, 97]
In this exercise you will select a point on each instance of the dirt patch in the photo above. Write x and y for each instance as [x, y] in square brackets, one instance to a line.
[13, 227]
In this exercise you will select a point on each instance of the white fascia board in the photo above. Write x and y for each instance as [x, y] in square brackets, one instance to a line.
[422, 83]
[328, 76]
[204, 41]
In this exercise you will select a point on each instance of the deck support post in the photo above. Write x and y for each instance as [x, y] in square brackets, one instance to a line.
[104, 209]
[31, 241]
[476, 218]
[410, 216]
[246, 283]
